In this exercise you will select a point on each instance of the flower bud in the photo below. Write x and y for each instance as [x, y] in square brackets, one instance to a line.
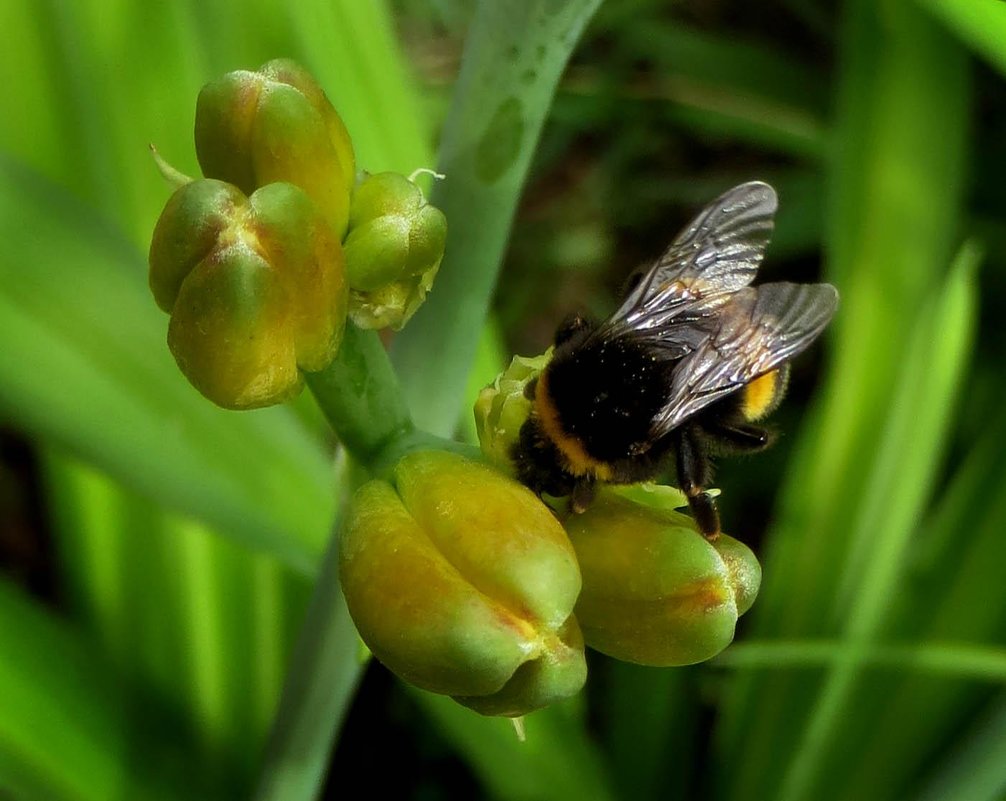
[655, 591]
[463, 583]
[502, 407]
[256, 128]
[393, 250]
[255, 288]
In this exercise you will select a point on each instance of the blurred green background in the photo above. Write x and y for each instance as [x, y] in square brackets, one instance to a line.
[157, 554]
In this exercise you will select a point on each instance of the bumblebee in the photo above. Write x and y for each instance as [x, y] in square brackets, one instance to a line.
[685, 368]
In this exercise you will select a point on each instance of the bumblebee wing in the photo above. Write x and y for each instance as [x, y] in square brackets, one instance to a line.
[715, 255]
[759, 329]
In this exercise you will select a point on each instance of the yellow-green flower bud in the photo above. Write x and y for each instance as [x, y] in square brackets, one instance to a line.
[655, 591]
[256, 128]
[255, 287]
[463, 583]
[502, 407]
[393, 250]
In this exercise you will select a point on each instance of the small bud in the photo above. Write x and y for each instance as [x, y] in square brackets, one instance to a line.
[655, 591]
[255, 288]
[503, 406]
[462, 582]
[256, 128]
[393, 250]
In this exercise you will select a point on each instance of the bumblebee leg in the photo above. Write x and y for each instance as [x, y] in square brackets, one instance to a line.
[707, 516]
[736, 438]
[583, 495]
[694, 474]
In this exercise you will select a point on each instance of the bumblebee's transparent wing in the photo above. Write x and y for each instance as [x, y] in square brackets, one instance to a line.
[759, 329]
[718, 253]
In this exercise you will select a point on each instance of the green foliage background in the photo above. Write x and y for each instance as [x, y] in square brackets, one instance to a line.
[144, 647]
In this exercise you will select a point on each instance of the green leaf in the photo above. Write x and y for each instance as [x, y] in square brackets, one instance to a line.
[981, 24]
[514, 55]
[490, 361]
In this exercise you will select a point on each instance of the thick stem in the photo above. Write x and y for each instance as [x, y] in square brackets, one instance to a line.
[360, 397]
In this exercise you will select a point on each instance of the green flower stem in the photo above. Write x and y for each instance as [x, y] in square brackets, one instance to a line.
[360, 397]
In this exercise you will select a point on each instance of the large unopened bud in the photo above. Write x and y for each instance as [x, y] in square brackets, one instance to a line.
[255, 288]
[463, 583]
[655, 591]
[276, 124]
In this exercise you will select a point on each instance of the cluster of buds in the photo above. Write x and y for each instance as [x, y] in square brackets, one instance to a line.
[260, 261]
[458, 578]
[464, 583]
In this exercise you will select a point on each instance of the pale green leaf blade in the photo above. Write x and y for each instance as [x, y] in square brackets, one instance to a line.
[514, 56]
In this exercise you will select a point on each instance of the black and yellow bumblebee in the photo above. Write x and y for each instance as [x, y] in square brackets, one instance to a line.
[687, 365]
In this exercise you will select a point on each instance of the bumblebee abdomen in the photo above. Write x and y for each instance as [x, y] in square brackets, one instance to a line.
[597, 402]
[762, 396]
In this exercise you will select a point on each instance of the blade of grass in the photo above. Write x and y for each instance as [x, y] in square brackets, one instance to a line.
[62, 724]
[979, 23]
[490, 361]
[35, 133]
[69, 730]
[110, 91]
[649, 717]
[902, 477]
[974, 770]
[322, 678]
[177, 633]
[953, 592]
[896, 182]
[947, 659]
[514, 55]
